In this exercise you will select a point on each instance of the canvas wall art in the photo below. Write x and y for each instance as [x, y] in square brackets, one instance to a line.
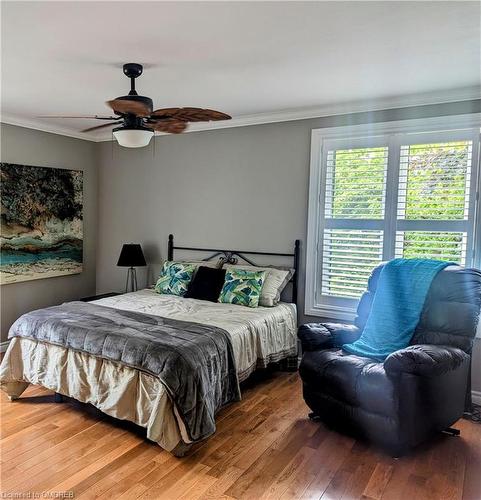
[41, 222]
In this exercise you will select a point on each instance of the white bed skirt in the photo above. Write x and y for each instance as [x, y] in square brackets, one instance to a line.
[119, 391]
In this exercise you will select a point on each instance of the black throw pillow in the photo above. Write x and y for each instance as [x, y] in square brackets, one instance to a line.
[206, 284]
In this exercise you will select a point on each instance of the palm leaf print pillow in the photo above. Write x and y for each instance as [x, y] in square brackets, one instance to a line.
[174, 278]
[242, 287]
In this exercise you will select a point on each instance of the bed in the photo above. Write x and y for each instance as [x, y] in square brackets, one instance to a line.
[125, 390]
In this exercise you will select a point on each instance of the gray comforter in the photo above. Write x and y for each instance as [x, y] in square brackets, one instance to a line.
[194, 362]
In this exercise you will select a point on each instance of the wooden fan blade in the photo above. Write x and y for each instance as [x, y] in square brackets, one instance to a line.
[203, 115]
[100, 126]
[164, 112]
[168, 126]
[190, 114]
[96, 117]
[124, 106]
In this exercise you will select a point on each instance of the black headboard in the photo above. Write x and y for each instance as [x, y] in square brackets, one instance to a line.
[232, 256]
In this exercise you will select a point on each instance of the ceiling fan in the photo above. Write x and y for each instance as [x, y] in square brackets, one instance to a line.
[135, 120]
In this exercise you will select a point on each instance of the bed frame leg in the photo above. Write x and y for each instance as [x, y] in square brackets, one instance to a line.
[58, 398]
[452, 432]
[289, 364]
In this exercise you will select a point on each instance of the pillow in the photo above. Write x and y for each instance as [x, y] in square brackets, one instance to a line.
[217, 264]
[174, 278]
[275, 281]
[206, 284]
[242, 287]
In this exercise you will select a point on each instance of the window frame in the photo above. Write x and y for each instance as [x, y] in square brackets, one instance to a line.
[393, 134]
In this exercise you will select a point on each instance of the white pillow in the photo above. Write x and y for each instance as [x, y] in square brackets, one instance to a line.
[275, 281]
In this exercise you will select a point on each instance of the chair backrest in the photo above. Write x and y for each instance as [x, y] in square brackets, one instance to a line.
[451, 311]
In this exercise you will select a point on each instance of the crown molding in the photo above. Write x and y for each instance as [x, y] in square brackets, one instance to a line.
[370, 105]
[44, 127]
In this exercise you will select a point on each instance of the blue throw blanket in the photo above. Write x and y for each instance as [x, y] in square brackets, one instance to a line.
[396, 308]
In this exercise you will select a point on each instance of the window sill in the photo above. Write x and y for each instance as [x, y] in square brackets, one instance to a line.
[331, 312]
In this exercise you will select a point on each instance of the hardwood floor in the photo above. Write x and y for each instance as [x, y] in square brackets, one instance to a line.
[265, 447]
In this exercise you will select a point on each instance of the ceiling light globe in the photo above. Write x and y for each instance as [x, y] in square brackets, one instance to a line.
[133, 138]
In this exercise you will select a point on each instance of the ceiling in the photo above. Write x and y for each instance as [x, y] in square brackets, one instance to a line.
[243, 58]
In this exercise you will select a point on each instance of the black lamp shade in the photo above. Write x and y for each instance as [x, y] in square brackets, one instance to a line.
[131, 256]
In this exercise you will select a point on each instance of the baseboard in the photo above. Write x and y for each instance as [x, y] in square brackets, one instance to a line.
[4, 345]
[476, 396]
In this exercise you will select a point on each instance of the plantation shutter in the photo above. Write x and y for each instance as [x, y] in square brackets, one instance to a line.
[426, 214]
[352, 242]
[434, 200]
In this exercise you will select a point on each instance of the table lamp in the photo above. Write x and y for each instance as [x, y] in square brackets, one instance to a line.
[131, 256]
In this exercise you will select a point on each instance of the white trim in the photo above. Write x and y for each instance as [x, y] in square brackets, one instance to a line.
[372, 224]
[412, 126]
[392, 195]
[434, 225]
[350, 107]
[476, 397]
[319, 137]
[333, 312]
[477, 215]
[4, 345]
[313, 217]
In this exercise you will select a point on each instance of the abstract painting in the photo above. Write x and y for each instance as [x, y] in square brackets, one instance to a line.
[41, 222]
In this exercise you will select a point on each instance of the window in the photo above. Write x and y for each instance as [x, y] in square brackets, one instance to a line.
[383, 191]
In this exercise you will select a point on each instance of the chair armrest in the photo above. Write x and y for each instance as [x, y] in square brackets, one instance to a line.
[318, 336]
[425, 360]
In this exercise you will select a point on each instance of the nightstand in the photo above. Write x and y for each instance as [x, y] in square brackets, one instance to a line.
[100, 296]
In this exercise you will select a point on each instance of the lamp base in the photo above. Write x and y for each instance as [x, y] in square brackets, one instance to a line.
[132, 279]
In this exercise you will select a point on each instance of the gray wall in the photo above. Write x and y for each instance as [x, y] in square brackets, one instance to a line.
[31, 147]
[244, 188]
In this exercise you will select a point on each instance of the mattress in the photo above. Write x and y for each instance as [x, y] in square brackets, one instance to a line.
[259, 336]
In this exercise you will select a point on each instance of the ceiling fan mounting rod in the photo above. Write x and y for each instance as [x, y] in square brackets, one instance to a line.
[132, 87]
[132, 71]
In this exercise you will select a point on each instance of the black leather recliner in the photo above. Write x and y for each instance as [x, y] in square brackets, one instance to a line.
[417, 391]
